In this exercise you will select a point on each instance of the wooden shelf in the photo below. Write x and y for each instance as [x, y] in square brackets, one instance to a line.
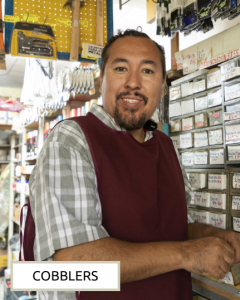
[31, 158]
[31, 126]
[16, 147]
[5, 146]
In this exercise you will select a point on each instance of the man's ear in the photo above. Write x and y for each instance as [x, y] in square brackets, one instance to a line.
[101, 82]
[163, 85]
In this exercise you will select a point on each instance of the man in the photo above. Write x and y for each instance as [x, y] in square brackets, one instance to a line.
[104, 189]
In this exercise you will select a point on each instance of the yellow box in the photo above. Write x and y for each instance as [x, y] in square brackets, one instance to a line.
[3, 262]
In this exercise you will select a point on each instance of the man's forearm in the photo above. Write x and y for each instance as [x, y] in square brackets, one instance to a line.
[198, 230]
[138, 260]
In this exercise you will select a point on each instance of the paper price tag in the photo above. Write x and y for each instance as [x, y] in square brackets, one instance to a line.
[65, 22]
[30, 17]
[11, 19]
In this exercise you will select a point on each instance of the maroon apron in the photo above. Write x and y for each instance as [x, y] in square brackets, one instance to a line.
[142, 191]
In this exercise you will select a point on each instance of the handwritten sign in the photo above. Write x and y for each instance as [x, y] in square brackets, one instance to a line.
[187, 123]
[236, 224]
[186, 140]
[201, 158]
[201, 103]
[215, 137]
[174, 92]
[218, 201]
[233, 152]
[197, 180]
[187, 158]
[176, 141]
[216, 157]
[201, 216]
[202, 199]
[232, 115]
[204, 57]
[11, 19]
[236, 180]
[230, 69]
[215, 98]
[235, 202]
[218, 220]
[200, 139]
[180, 62]
[232, 91]
[217, 182]
[233, 132]
[228, 278]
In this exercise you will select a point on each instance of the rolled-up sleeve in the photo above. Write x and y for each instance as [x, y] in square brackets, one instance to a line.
[63, 193]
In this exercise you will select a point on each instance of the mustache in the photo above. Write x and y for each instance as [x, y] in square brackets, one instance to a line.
[137, 94]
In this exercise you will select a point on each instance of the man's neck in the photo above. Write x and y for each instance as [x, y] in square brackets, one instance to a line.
[138, 134]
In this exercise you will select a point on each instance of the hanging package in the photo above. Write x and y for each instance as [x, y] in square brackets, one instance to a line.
[176, 15]
[190, 14]
[204, 9]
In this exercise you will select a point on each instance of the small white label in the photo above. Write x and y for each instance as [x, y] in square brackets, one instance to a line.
[75, 23]
[228, 278]
[236, 203]
[186, 140]
[201, 158]
[215, 137]
[218, 201]
[216, 157]
[202, 199]
[233, 153]
[200, 139]
[187, 158]
[217, 182]
[218, 220]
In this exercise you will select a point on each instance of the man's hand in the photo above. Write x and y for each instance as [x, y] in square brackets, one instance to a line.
[232, 238]
[208, 256]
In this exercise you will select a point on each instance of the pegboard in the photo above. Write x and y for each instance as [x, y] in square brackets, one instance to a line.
[51, 12]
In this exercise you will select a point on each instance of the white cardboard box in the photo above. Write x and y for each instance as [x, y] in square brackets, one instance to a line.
[218, 201]
[202, 199]
[215, 98]
[175, 109]
[218, 220]
[176, 141]
[201, 216]
[236, 181]
[197, 180]
[235, 202]
[187, 107]
[236, 224]
[217, 181]
[232, 115]
[201, 158]
[233, 133]
[215, 137]
[232, 91]
[201, 103]
[216, 157]
[187, 158]
[200, 139]
[233, 152]
[187, 124]
[186, 140]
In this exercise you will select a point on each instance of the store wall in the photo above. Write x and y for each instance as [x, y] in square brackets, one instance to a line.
[134, 14]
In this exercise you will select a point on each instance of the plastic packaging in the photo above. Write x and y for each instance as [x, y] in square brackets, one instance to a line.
[204, 9]
[175, 125]
[190, 13]
[215, 137]
[215, 98]
[215, 118]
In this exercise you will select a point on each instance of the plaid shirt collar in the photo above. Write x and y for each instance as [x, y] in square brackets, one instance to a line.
[99, 112]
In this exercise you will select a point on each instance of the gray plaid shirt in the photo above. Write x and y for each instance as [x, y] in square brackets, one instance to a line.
[64, 195]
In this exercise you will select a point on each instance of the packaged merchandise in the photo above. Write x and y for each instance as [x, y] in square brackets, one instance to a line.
[187, 158]
[175, 125]
[201, 120]
[217, 182]
[176, 141]
[187, 107]
[187, 89]
[214, 79]
[232, 132]
[215, 118]
[176, 15]
[218, 220]
[187, 124]
[216, 157]
[236, 224]
[218, 201]
[236, 181]
[215, 98]
[215, 137]
[201, 157]
[175, 109]
[174, 92]
[233, 152]
[230, 69]
[232, 91]
[200, 139]
[186, 140]
[190, 13]
[197, 180]
[202, 199]
[201, 103]
[236, 202]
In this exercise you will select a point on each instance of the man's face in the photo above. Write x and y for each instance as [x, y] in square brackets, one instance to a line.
[132, 84]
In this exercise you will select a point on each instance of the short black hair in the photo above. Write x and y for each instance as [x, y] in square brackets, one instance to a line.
[134, 33]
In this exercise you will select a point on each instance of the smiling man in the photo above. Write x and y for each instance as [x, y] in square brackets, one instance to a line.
[105, 189]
